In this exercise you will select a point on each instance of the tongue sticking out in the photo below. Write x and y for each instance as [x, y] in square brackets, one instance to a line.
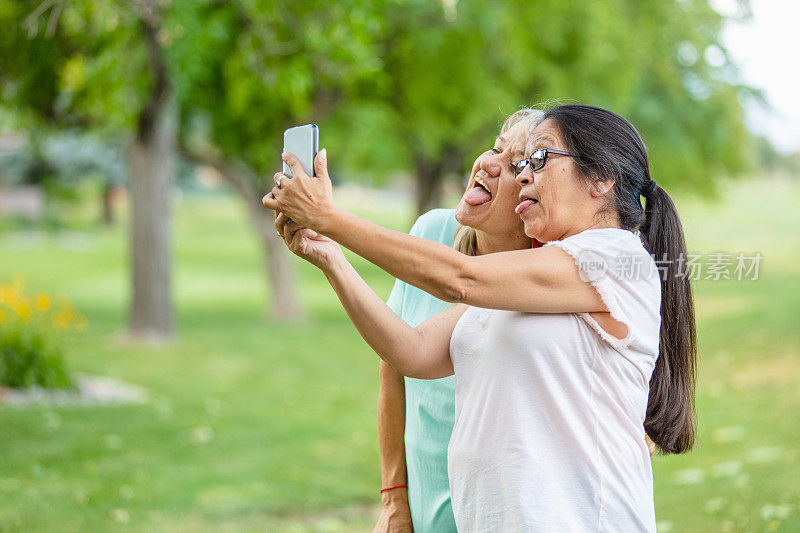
[523, 205]
[477, 196]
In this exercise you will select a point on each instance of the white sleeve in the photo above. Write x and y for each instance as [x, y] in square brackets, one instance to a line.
[618, 266]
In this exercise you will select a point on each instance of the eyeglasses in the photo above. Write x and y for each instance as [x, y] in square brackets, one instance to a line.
[537, 160]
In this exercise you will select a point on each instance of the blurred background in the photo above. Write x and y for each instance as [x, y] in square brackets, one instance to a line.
[165, 365]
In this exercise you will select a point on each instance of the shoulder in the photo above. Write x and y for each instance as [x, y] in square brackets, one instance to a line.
[612, 246]
[622, 271]
[601, 237]
[613, 256]
[437, 225]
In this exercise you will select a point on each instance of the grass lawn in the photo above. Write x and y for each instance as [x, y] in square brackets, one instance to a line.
[258, 426]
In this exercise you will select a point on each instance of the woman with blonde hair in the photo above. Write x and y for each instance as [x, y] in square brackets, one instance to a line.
[416, 416]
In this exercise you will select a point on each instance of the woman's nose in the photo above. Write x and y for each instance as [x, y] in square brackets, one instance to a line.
[491, 165]
[525, 177]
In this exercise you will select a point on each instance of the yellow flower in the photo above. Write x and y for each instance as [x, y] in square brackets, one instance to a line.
[9, 295]
[63, 320]
[24, 311]
[43, 302]
[2, 316]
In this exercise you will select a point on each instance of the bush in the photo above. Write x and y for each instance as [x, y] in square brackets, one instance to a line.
[31, 338]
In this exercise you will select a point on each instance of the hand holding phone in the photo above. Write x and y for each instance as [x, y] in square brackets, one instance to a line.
[303, 142]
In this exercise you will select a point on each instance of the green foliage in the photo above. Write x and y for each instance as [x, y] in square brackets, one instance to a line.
[258, 67]
[28, 360]
[367, 145]
[395, 85]
[76, 63]
[31, 341]
[450, 80]
[648, 61]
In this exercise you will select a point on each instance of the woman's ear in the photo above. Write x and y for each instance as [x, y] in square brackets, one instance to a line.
[601, 187]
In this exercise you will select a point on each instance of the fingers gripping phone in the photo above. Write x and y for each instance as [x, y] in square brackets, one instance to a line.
[303, 142]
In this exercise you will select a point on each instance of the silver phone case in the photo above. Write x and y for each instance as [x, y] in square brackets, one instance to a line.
[303, 142]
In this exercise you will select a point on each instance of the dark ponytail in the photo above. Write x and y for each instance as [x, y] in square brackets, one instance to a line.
[670, 409]
[609, 147]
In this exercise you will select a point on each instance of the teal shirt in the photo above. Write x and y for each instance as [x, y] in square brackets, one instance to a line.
[430, 404]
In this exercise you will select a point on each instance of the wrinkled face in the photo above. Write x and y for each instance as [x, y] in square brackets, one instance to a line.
[555, 201]
[492, 193]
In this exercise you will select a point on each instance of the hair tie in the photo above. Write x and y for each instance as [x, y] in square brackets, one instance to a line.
[648, 189]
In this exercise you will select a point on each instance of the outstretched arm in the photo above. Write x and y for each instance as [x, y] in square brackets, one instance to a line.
[543, 280]
[422, 352]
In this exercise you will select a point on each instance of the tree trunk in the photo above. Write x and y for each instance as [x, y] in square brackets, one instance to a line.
[430, 177]
[429, 185]
[284, 305]
[278, 267]
[152, 164]
[107, 205]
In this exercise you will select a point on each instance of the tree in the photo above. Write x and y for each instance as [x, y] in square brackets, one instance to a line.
[234, 73]
[442, 92]
[255, 69]
[451, 72]
[402, 85]
[152, 155]
[60, 67]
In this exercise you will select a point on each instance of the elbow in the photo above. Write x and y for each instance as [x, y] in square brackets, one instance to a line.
[428, 371]
[417, 375]
[401, 356]
[389, 375]
[453, 286]
[398, 369]
[415, 371]
[455, 290]
[450, 281]
[406, 364]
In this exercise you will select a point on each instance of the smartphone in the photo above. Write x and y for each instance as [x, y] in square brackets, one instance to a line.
[303, 142]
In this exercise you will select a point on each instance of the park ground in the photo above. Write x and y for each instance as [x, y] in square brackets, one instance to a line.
[256, 426]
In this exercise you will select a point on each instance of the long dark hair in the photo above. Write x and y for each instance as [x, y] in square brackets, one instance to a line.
[609, 147]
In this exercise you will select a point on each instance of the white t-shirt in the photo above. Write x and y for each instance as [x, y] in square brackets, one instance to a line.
[549, 431]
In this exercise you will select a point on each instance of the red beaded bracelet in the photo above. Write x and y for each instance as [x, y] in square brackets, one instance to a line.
[384, 489]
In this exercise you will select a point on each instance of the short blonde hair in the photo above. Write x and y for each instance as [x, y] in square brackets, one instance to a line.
[466, 238]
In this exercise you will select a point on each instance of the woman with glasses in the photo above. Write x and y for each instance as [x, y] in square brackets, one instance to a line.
[563, 354]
